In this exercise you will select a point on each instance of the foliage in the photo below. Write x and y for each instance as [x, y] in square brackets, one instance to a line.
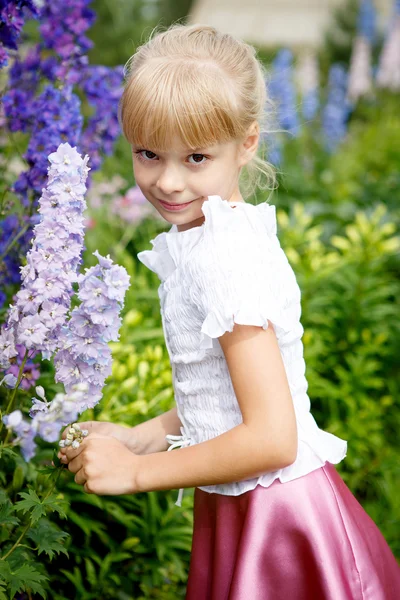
[338, 221]
[350, 313]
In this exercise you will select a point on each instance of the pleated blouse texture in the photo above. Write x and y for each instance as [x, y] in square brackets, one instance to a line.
[232, 269]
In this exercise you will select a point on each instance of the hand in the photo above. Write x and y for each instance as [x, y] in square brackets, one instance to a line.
[119, 432]
[103, 465]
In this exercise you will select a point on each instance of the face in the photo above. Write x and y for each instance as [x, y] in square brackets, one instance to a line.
[177, 182]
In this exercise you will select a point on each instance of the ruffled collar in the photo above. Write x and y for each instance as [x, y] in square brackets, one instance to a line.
[169, 246]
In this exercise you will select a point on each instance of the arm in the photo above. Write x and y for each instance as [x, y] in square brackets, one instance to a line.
[149, 436]
[265, 441]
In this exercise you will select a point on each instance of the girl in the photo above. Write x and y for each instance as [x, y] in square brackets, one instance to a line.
[273, 519]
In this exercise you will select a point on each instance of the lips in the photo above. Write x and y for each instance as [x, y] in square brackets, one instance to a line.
[174, 204]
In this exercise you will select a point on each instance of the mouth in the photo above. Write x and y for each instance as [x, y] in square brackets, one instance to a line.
[171, 206]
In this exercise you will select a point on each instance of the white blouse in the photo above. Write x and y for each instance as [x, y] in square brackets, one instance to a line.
[231, 269]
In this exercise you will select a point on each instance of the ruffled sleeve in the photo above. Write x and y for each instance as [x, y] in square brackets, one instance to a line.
[159, 259]
[244, 275]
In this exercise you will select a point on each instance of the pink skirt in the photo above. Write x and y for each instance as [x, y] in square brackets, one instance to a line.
[306, 539]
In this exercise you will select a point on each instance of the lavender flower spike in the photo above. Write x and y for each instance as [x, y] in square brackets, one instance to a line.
[52, 263]
[85, 354]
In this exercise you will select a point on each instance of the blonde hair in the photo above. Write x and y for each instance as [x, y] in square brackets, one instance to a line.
[196, 71]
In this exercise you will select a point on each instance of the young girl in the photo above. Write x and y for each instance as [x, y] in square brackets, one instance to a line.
[273, 519]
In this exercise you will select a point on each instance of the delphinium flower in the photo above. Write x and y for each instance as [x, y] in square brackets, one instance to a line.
[360, 71]
[84, 353]
[24, 78]
[44, 299]
[57, 117]
[8, 349]
[11, 227]
[30, 371]
[308, 82]
[63, 25]
[337, 108]
[9, 380]
[47, 418]
[84, 361]
[12, 17]
[388, 72]
[62, 28]
[102, 87]
[282, 91]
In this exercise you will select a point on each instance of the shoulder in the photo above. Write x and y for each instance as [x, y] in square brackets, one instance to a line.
[239, 244]
[236, 235]
[239, 271]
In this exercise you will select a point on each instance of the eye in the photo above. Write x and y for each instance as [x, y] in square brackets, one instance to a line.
[197, 162]
[149, 156]
[139, 153]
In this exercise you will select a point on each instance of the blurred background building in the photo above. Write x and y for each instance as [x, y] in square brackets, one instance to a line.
[271, 23]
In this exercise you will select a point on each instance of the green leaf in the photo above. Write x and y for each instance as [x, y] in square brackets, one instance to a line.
[32, 501]
[40, 507]
[6, 517]
[3, 588]
[4, 452]
[26, 578]
[91, 573]
[57, 504]
[76, 579]
[48, 537]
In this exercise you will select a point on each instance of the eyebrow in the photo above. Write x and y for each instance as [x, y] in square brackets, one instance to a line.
[184, 152]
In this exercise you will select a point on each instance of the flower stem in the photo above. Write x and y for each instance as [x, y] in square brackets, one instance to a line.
[14, 241]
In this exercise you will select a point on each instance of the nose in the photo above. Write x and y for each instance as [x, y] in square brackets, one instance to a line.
[170, 180]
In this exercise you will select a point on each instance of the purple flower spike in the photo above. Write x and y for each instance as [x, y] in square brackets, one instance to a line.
[45, 296]
[85, 355]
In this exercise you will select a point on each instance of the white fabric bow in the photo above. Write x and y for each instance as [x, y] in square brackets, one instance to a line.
[178, 441]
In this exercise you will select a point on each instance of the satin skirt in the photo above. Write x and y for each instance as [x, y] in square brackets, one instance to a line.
[306, 539]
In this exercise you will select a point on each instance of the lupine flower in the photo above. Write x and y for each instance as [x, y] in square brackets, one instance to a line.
[45, 296]
[282, 90]
[360, 72]
[336, 111]
[308, 83]
[388, 72]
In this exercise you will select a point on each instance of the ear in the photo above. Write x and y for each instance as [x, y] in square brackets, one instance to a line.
[249, 145]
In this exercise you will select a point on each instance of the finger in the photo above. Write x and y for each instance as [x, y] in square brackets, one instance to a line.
[86, 489]
[72, 453]
[80, 477]
[75, 465]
